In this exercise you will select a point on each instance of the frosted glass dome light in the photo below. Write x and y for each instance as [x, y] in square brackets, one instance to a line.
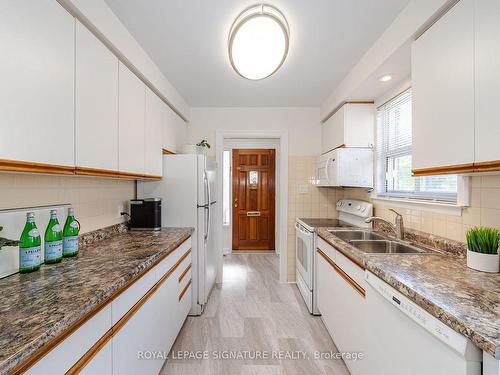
[258, 42]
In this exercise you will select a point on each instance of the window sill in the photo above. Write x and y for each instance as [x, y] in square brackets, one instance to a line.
[442, 208]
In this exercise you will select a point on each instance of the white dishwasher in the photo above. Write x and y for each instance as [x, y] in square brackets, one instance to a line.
[404, 339]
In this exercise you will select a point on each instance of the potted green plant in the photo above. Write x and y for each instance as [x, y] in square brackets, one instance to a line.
[202, 146]
[482, 249]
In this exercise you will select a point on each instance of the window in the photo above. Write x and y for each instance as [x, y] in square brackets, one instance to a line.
[226, 192]
[394, 146]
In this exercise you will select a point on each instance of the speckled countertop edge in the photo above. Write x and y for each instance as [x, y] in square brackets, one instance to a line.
[101, 296]
[481, 331]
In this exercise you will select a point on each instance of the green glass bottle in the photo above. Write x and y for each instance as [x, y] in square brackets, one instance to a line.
[30, 249]
[53, 240]
[70, 235]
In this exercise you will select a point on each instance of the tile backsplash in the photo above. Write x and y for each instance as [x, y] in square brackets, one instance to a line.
[484, 210]
[306, 200]
[96, 200]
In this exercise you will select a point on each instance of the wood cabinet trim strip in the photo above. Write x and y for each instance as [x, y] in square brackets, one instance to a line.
[184, 273]
[96, 172]
[184, 291]
[343, 274]
[31, 167]
[167, 152]
[487, 166]
[335, 148]
[448, 169]
[74, 327]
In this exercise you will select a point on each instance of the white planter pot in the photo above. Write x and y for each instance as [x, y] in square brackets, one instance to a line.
[193, 149]
[483, 262]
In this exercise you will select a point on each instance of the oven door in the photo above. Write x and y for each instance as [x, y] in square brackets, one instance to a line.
[304, 254]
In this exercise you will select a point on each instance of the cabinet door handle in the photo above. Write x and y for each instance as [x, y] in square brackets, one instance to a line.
[358, 288]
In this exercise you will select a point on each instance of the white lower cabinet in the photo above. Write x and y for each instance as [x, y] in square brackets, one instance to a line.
[140, 339]
[341, 302]
[135, 332]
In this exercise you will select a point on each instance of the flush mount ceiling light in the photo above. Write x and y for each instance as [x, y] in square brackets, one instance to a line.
[258, 42]
[385, 78]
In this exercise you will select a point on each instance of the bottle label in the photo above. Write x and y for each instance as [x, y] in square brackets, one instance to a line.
[70, 245]
[74, 224]
[56, 228]
[34, 233]
[53, 250]
[30, 257]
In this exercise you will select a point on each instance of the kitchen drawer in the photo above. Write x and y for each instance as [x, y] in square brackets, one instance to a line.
[165, 265]
[326, 248]
[68, 352]
[351, 269]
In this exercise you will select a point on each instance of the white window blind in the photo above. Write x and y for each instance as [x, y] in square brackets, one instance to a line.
[394, 147]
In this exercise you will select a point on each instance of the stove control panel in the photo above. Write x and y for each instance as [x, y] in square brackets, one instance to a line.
[353, 207]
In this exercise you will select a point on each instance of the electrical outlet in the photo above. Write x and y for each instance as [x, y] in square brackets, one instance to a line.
[121, 209]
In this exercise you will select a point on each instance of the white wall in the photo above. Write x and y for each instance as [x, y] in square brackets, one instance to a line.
[302, 124]
[416, 16]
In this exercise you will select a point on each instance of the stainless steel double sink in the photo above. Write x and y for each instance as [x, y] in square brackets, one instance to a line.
[369, 242]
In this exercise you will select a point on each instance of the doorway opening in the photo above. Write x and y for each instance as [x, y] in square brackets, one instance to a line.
[253, 199]
[226, 142]
[250, 191]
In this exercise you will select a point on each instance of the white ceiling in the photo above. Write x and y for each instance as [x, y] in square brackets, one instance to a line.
[187, 39]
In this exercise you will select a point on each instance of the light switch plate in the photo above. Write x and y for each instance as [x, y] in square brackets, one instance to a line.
[303, 188]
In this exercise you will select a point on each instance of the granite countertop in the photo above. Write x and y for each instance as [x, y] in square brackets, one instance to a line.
[468, 301]
[36, 308]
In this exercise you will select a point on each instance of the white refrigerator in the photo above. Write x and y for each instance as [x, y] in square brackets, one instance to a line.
[188, 200]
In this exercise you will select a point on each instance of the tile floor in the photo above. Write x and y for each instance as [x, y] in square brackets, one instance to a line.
[252, 312]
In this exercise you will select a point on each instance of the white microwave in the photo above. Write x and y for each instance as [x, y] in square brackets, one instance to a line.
[346, 167]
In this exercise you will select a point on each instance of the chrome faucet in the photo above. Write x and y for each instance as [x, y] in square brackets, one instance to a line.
[398, 228]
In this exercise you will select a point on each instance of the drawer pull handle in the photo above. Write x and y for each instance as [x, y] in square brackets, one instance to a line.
[184, 273]
[185, 289]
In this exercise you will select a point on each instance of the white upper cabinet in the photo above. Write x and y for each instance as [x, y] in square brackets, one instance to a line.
[351, 126]
[132, 110]
[156, 120]
[174, 134]
[443, 91]
[37, 82]
[96, 103]
[487, 27]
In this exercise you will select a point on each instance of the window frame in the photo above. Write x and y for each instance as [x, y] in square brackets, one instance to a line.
[384, 155]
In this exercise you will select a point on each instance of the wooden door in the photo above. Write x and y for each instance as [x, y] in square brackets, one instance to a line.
[253, 199]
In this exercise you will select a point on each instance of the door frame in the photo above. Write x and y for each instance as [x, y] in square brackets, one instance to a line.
[281, 216]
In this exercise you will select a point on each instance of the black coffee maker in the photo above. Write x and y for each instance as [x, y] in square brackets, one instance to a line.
[145, 214]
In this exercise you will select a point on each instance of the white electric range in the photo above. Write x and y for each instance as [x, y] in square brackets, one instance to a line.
[352, 213]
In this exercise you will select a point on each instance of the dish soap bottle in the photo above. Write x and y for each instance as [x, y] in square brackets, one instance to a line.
[70, 235]
[53, 240]
[30, 249]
